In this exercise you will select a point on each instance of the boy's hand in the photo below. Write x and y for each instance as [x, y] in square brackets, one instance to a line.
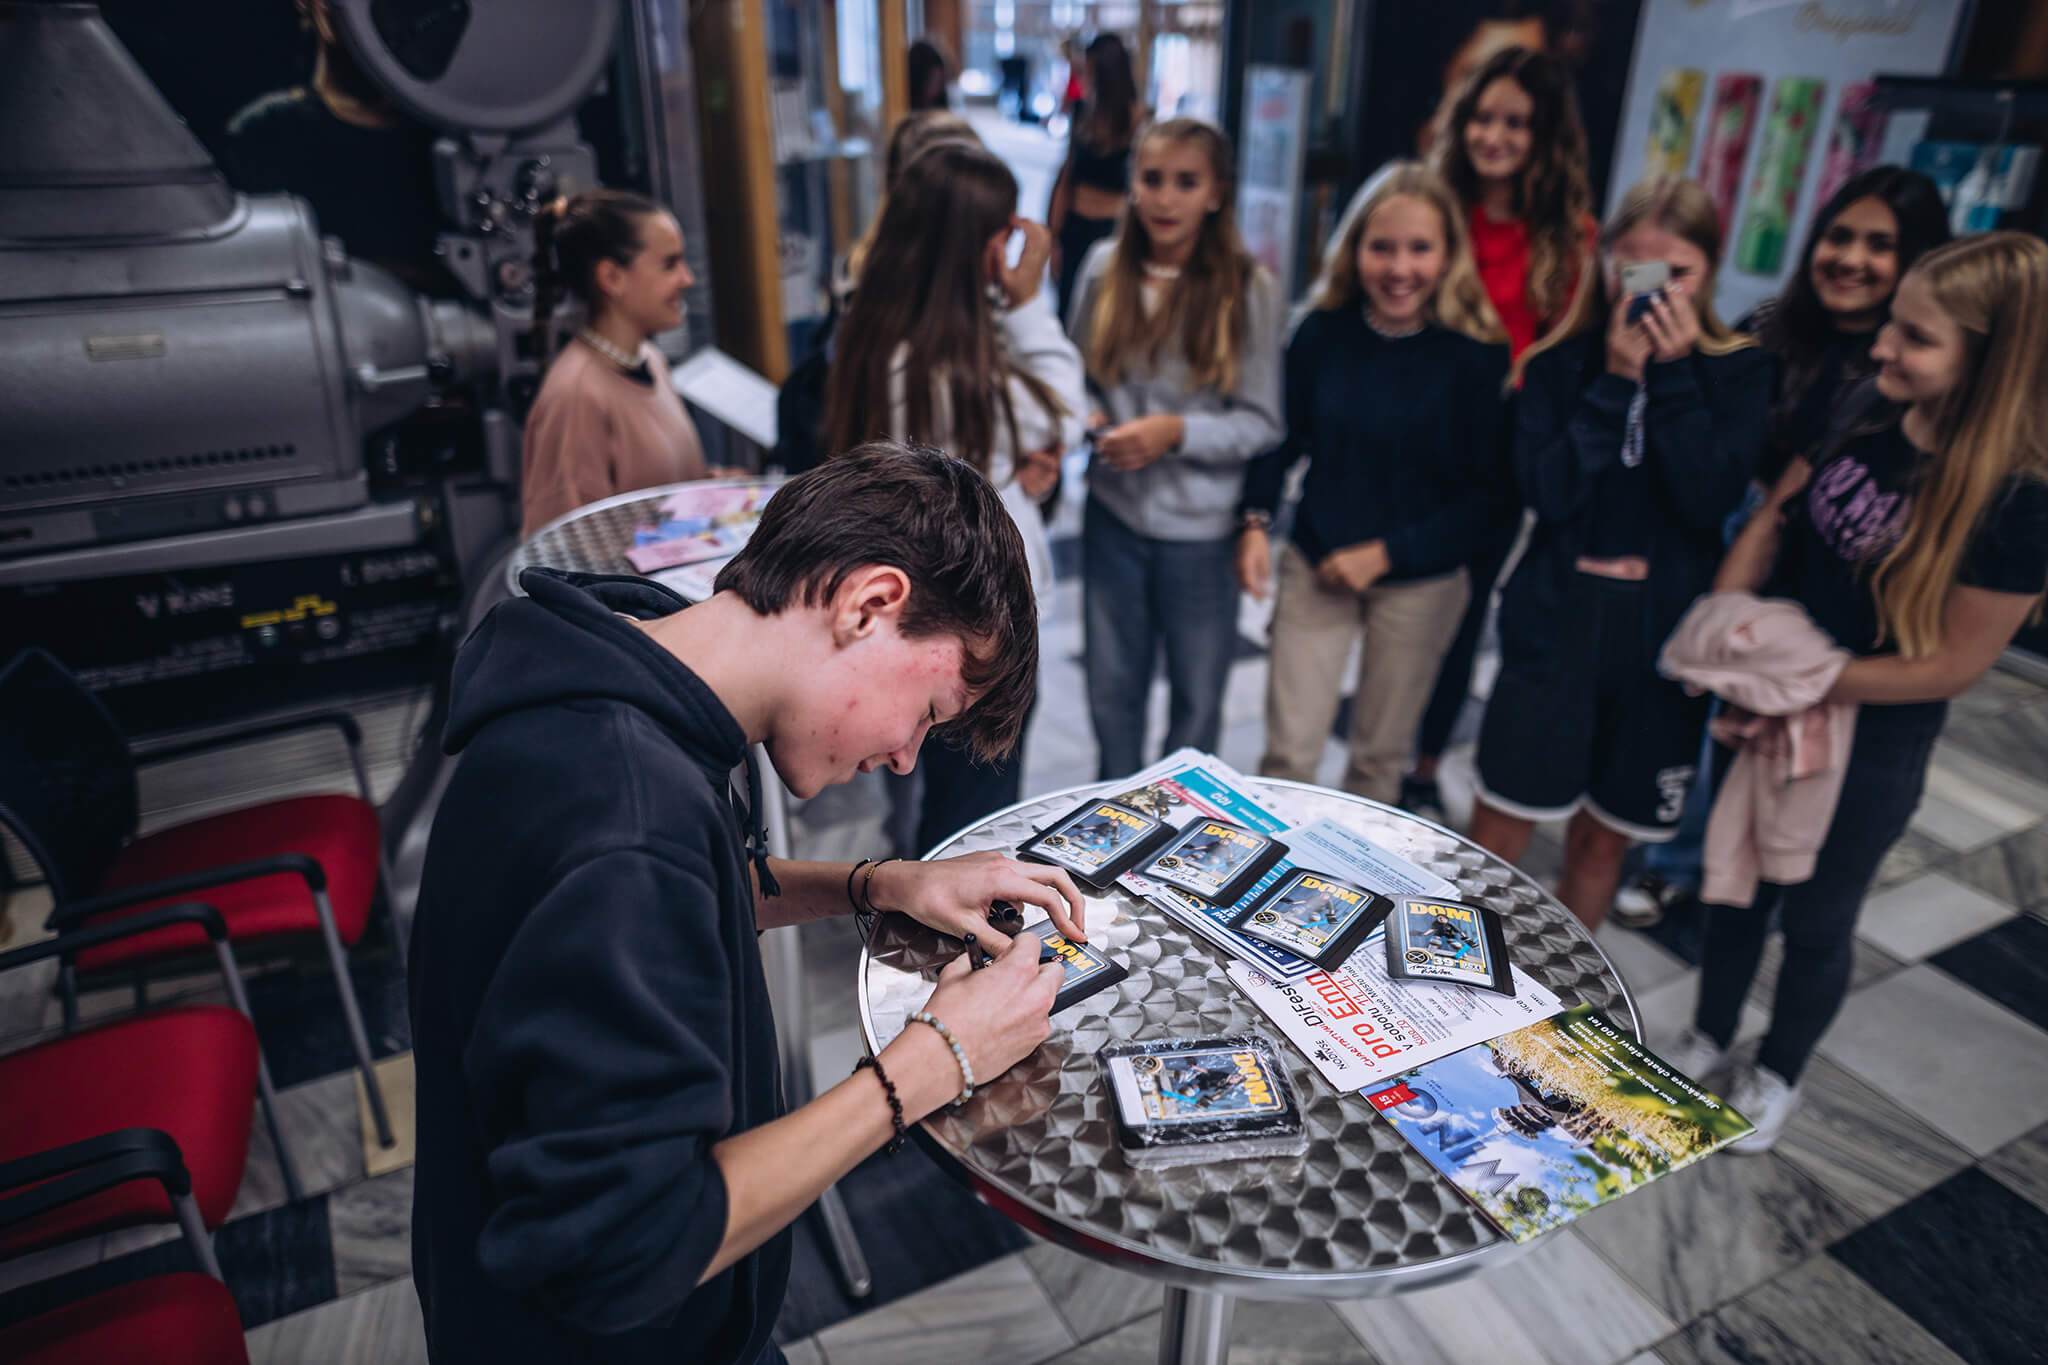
[953, 895]
[999, 1015]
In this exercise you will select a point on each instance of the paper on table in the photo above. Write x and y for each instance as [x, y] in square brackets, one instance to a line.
[1358, 1026]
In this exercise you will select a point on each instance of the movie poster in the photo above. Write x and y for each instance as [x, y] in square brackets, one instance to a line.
[1768, 103]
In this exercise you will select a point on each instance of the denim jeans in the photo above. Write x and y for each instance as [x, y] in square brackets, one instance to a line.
[1139, 594]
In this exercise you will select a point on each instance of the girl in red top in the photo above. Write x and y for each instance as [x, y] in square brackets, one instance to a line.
[1514, 151]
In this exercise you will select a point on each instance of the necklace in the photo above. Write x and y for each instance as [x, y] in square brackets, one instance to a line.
[606, 349]
[1155, 271]
[1391, 333]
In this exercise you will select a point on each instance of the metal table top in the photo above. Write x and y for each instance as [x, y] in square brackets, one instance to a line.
[594, 538]
[1361, 1214]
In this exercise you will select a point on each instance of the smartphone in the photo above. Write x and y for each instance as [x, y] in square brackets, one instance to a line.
[1641, 279]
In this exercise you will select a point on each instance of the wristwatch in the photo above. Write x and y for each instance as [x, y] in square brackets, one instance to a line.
[1252, 519]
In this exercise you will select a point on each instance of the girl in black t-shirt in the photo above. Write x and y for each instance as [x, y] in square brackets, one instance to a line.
[1921, 546]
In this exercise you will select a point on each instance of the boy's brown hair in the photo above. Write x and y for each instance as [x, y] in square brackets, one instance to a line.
[922, 511]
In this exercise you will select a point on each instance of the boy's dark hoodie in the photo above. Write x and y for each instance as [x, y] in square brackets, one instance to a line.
[588, 1008]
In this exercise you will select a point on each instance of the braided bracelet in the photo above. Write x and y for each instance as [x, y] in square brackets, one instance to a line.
[959, 1054]
[895, 1144]
[867, 886]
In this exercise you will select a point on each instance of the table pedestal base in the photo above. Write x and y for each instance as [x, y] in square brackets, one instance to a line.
[1194, 1329]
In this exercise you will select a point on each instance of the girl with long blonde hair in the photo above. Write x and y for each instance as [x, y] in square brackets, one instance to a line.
[1638, 425]
[1394, 394]
[1181, 330]
[1917, 537]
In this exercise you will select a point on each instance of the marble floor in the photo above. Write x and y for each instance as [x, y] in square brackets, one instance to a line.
[1903, 1217]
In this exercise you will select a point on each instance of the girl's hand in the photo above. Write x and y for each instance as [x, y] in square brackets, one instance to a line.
[1255, 562]
[953, 895]
[1000, 1015]
[1628, 345]
[1672, 325]
[1020, 281]
[1356, 567]
[1140, 441]
[1038, 471]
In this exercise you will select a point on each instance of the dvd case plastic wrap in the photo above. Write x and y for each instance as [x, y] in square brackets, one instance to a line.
[1182, 1101]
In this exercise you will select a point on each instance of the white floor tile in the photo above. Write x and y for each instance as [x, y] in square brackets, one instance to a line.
[1969, 1068]
[1561, 1303]
[1668, 1009]
[1954, 826]
[1921, 917]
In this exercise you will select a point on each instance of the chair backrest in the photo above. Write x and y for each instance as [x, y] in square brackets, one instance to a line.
[67, 780]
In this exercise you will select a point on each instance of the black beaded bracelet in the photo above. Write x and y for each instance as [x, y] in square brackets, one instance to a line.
[895, 1144]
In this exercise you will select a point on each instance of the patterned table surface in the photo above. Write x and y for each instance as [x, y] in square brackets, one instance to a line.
[1362, 1213]
[595, 538]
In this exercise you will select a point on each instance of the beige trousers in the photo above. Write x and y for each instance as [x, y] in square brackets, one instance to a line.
[1408, 627]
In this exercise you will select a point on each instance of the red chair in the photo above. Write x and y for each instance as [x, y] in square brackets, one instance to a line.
[305, 866]
[175, 1319]
[186, 1072]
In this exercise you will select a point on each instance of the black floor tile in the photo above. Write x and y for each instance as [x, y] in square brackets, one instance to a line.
[299, 1019]
[2008, 963]
[917, 1226]
[1964, 1261]
[278, 1262]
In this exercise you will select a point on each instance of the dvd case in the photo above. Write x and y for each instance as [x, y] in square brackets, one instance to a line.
[1181, 1101]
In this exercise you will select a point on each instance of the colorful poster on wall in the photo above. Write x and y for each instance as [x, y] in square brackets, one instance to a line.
[1786, 91]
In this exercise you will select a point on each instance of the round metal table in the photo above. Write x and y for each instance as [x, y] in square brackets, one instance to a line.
[1361, 1214]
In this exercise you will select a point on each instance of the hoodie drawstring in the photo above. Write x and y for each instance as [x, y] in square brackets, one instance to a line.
[757, 833]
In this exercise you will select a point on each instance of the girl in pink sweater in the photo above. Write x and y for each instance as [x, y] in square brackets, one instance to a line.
[606, 420]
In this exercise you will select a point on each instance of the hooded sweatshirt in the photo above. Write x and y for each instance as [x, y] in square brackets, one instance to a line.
[588, 1008]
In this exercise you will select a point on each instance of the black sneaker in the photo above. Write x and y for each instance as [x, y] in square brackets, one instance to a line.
[1644, 901]
[1421, 796]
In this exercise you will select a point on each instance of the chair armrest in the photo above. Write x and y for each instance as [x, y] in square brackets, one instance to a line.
[351, 734]
[78, 1170]
[149, 921]
[298, 864]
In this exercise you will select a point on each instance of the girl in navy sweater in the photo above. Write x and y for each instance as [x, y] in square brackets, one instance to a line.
[1394, 394]
[1635, 436]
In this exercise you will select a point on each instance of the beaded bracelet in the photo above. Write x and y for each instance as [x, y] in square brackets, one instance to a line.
[895, 1144]
[959, 1054]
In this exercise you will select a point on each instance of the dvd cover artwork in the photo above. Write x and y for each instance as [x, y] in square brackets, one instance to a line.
[1180, 1100]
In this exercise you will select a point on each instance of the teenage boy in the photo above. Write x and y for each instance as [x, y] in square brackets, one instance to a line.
[605, 1170]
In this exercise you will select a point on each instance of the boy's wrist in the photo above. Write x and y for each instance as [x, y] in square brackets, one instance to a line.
[926, 1075]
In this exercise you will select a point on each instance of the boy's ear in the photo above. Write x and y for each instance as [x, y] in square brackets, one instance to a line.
[871, 594]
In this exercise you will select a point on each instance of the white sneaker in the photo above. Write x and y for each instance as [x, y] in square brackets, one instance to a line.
[1763, 1097]
[1696, 1056]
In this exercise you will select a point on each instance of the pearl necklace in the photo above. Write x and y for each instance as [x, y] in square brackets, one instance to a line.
[1161, 272]
[607, 350]
[1387, 332]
